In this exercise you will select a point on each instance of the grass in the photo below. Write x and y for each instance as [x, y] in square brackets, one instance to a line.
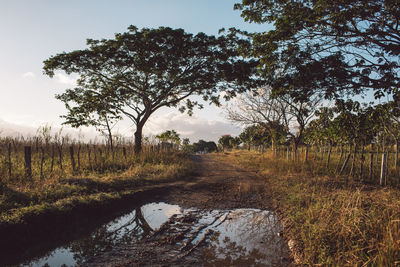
[23, 199]
[328, 220]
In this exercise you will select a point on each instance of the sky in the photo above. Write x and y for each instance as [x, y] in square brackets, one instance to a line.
[33, 30]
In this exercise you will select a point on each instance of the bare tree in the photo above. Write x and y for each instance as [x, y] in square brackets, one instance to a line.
[274, 113]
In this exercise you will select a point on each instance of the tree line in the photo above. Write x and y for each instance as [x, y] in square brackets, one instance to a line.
[294, 82]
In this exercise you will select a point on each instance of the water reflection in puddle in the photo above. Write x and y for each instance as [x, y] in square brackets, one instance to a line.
[240, 237]
[123, 230]
[247, 237]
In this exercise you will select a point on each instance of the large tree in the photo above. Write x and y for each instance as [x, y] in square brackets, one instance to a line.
[353, 45]
[140, 71]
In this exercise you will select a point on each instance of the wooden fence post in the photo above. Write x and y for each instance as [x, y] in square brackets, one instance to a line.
[71, 153]
[60, 155]
[124, 152]
[306, 156]
[362, 159]
[386, 167]
[79, 156]
[102, 159]
[9, 160]
[28, 162]
[95, 156]
[383, 169]
[345, 163]
[371, 165]
[41, 162]
[89, 159]
[52, 157]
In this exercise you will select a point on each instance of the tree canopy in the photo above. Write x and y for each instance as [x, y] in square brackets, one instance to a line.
[347, 45]
[140, 71]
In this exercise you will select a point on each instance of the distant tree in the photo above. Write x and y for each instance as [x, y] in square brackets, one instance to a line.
[169, 136]
[225, 142]
[140, 71]
[260, 135]
[186, 146]
[204, 146]
[87, 108]
[246, 136]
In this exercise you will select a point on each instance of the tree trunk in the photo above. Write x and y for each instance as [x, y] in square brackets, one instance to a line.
[273, 147]
[110, 137]
[295, 148]
[321, 150]
[329, 155]
[306, 155]
[340, 159]
[138, 139]
[396, 158]
[287, 153]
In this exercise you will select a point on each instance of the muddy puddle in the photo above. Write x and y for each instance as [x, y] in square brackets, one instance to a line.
[160, 233]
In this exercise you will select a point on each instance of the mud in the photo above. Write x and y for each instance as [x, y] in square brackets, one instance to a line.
[219, 217]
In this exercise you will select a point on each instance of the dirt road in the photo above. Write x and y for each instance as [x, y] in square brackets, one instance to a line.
[223, 193]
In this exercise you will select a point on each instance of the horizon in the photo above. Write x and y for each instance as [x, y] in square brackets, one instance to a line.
[38, 30]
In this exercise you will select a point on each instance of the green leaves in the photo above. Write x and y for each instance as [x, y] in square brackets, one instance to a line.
[142, 70]
[356, 43]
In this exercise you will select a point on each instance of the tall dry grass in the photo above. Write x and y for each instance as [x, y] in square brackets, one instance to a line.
[100, 173]
[331, 220]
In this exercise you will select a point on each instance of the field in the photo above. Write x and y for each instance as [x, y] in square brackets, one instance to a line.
[62, 176]
[340, 220]
[333, 213]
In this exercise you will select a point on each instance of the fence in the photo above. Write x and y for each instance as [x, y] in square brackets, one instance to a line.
[368, 164]
[26, 159]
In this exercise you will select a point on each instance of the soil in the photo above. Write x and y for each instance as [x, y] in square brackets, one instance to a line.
[215, 185]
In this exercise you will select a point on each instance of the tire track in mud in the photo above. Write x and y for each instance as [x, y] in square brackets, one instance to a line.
[215, 192]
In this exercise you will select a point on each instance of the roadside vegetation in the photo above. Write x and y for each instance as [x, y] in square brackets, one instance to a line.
[330, 161]
[328, 219]
[64, 174]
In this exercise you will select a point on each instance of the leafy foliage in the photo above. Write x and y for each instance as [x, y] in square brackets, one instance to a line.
[336, 45]
[140, 71]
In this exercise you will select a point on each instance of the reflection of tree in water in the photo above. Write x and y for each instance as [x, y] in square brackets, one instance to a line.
[231, 254]
[104, 239]
[255, 241]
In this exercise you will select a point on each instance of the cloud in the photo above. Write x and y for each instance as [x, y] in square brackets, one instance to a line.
[194, 127]
[29, 74]
[15, 130]
[65, 79]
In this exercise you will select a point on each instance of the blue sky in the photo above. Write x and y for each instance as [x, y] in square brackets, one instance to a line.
[33, 30]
